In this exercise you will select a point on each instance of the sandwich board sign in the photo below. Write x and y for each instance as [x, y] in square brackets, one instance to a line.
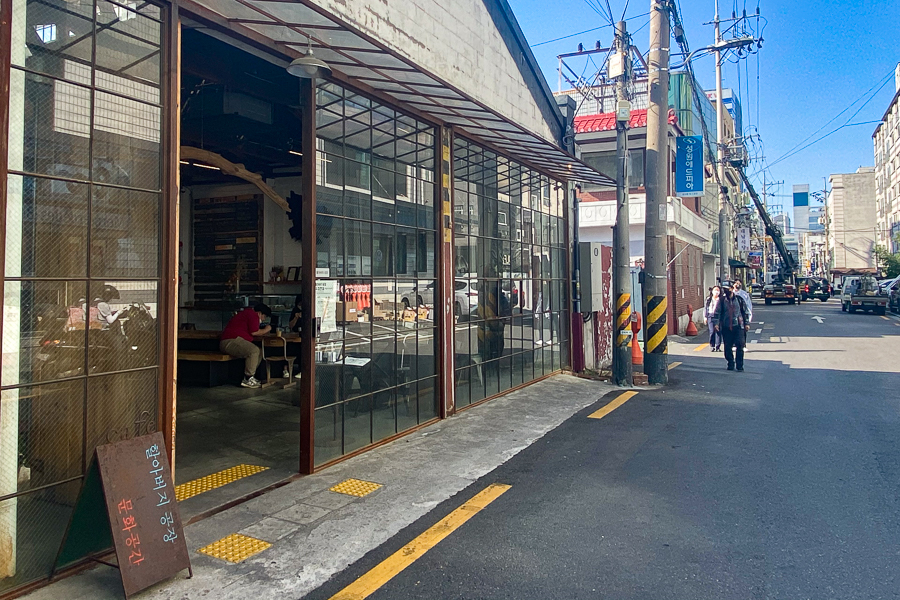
[127, 501]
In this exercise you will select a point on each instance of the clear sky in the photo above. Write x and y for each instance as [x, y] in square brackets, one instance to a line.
[818, 59]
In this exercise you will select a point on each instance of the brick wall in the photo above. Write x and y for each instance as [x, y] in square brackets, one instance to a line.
[685, 283]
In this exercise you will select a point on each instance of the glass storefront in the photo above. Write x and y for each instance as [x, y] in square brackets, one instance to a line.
[375, 245]
[511, 292]
[82, 259]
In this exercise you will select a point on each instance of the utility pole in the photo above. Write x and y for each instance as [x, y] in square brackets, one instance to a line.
[656, 182]
[622, 370]
[765, 243]
[724, 229]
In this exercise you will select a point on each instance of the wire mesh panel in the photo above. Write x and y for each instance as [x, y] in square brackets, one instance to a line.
[80, 335]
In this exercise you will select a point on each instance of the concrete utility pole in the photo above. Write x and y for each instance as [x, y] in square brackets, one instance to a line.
[656, 182]
[622, 370]
[724, 229]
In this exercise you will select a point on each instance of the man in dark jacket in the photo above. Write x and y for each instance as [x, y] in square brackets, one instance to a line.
[734, 323]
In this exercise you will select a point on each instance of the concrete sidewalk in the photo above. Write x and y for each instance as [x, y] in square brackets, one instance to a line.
[316, 533]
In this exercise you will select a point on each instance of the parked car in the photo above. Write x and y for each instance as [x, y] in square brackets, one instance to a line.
[887, 284]
[814, 287]
[893, 292]
[863, 293]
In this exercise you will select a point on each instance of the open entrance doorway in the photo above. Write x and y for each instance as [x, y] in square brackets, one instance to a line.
[239, 247]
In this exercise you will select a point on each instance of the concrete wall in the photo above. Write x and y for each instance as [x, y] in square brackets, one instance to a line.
[456, 40]
[851, 209]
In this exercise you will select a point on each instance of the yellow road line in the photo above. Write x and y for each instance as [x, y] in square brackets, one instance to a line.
[673, 365]
[885, 318]
[701, 347]
[619, 401]
[410, 553]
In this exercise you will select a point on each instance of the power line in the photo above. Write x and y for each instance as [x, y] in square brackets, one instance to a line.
[882, 81]
[571, 35]
[835, 130]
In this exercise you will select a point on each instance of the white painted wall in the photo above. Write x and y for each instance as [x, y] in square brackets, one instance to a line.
[851, 210]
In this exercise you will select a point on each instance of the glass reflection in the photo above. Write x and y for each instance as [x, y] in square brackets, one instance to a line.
[381, 200]
[509, 263]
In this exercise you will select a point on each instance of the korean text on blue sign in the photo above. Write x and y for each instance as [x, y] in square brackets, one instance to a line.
[689, 173]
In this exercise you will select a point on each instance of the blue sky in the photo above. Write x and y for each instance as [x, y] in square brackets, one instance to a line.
[817, 59]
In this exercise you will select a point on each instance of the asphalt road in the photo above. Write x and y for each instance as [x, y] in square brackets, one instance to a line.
[779, 482]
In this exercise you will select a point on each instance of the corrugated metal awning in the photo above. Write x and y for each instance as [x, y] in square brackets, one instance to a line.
[360, 57]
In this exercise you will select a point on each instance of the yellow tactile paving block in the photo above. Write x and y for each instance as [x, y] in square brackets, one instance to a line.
[235, 548]
[216, 480]
[355, 487]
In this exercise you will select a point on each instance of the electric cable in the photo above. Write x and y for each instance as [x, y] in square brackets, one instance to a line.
[882, 81]
[571, 35]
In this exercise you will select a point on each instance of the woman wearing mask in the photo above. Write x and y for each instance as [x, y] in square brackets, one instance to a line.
[712, 303]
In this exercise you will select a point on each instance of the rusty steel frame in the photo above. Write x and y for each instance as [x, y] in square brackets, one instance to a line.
[521, 144]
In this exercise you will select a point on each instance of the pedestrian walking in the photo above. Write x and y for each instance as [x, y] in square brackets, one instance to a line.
[734, 322]
[712, 303]
[748, 301]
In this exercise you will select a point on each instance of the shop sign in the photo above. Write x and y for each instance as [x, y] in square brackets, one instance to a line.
[131, 480]
[689, 166]
[743, 239]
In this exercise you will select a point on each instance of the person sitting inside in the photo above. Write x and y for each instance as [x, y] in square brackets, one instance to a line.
[294, 319]
[237, 340]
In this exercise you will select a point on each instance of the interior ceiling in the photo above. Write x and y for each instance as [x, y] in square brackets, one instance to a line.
[289, 25]
[262, 147]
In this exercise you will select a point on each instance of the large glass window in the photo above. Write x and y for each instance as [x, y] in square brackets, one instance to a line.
[376, 369]
[82, 269]
[510, 293]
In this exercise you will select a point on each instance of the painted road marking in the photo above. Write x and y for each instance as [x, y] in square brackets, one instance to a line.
[673, 365]
[759, 330]
[885, 318]
[762, 322]
[622, 399]
[410, 553]
[701, 347]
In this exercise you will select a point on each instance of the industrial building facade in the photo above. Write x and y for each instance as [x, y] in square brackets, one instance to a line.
[164, 170]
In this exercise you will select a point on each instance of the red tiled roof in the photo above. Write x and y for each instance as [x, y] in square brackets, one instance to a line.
[607, 121]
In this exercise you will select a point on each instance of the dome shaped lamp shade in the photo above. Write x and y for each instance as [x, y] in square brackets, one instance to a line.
[308, 66]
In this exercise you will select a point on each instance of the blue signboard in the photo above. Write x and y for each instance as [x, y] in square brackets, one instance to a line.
[689, 173]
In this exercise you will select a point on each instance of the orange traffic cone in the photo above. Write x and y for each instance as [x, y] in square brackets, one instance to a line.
[637, 357]
[691, 328]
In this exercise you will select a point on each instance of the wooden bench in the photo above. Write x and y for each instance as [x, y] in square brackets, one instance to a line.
[218, 371]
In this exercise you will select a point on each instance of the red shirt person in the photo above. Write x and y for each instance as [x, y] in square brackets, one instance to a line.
[237, 340]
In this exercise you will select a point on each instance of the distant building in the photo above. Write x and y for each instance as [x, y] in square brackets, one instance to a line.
[732, 105]
[816, 219]
[887, 172]
[801, 208]
[851, 222]
[783, 220]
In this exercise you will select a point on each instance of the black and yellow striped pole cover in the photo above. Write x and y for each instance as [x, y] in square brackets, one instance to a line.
[623, 319]
[656, 327]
